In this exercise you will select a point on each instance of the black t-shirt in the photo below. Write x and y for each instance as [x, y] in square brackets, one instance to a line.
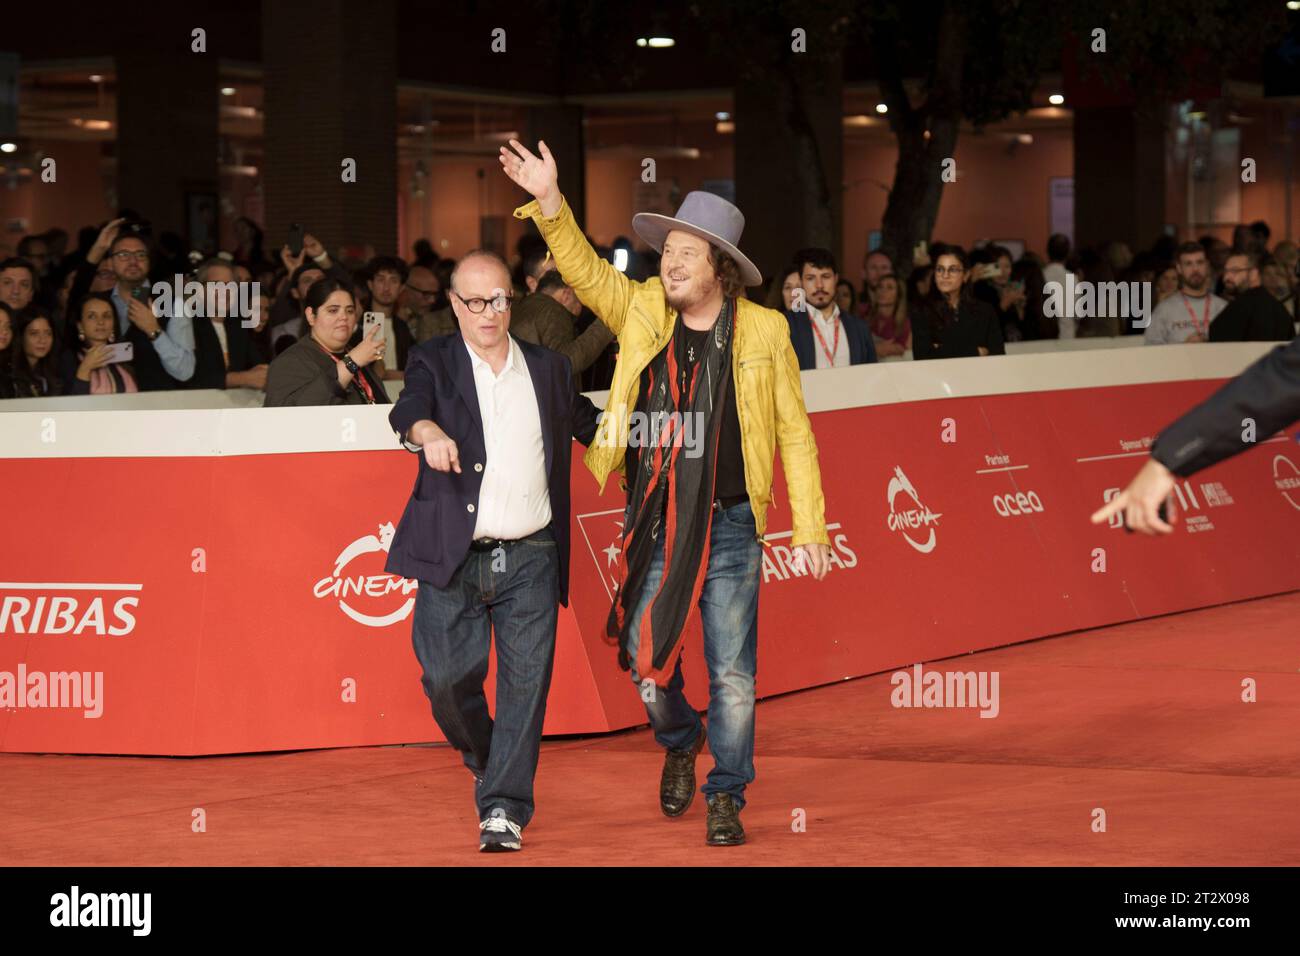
[1253, 316]
[730, 482]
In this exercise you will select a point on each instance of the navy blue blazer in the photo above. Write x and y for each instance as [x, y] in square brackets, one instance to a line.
[434, 534]
[862, 349]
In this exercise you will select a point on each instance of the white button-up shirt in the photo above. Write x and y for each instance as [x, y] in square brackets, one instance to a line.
[828, 323]
[514, 500]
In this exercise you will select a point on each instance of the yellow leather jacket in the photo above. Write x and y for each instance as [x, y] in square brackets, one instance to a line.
[769, 395]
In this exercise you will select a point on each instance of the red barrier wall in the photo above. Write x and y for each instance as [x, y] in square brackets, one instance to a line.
[225, 572]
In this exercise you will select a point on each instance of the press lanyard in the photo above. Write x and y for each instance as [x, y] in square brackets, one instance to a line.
[1204, 324]
[830, 352]
[359, 379]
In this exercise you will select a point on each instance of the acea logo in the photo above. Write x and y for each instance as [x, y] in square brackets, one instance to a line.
[1287, 478]
[367, 598]
[913, 520]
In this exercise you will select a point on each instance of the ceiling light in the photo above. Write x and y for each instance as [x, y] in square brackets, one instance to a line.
[1056, 99]
[96, 78]
[722, 116]
[658, 43]
[227, 91]
[882, 108]
[8, 147]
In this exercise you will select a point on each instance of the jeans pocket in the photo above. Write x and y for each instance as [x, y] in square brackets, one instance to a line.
[741, 515]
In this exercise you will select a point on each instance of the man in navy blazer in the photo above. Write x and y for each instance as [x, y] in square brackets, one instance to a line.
[486, 533]
[822, 335]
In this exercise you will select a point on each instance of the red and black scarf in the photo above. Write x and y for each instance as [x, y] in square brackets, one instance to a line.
[670, 500]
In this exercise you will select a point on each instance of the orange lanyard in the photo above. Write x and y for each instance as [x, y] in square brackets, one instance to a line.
[1204, 324]
[359, 379]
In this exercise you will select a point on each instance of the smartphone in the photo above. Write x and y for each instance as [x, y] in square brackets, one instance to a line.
[295, 239]
[120, 352]
[368, 323]
[141, 293]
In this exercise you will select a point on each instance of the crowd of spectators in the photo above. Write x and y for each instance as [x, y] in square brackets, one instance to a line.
[85, 320]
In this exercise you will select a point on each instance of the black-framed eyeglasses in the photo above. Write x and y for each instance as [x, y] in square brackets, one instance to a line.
[500, 303]
[125, 254]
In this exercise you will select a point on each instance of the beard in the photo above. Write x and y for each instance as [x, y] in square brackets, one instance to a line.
[693, 294]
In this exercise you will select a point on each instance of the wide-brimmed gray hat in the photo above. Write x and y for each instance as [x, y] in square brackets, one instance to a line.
[711, 218]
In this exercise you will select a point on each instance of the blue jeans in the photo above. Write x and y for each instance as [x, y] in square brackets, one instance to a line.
[452, 630]
[729, 613]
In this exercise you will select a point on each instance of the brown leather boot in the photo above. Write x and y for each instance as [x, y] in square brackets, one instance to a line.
[677, 785]
[723, 824]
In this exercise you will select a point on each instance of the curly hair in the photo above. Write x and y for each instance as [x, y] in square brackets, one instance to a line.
[727, 272]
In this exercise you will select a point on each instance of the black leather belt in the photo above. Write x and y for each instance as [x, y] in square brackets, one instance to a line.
[721, 504]
[491, 544]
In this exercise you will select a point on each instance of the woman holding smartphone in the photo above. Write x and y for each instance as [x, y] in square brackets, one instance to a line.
[316, 370]
[97, 367]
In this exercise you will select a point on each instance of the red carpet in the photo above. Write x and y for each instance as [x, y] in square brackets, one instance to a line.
[1143, 720]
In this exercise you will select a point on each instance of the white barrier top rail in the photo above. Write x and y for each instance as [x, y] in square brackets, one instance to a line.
[142, 425]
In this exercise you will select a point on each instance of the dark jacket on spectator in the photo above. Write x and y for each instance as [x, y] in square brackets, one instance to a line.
[1253, 316]
[862, 348]
[209, 368]
[28, 384]
[540, 319]
[149, 371]
[975, 324]
[304, 375]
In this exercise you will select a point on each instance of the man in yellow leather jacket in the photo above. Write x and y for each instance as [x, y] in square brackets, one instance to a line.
[705, 390]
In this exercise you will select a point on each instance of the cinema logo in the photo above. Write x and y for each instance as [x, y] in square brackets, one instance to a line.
[920, 688]
[1286, 476]
[913, 520]
[29, 607]
[362, 597]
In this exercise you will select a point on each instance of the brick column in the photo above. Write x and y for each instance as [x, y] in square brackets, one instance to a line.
[561, 127]
[1119, 175]
[790, 158]
[166, 122]
[330, 79]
